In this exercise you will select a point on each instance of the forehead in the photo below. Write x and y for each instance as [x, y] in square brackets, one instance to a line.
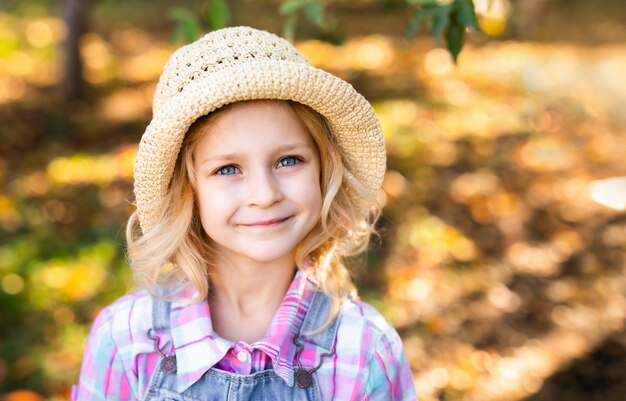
[253, 124]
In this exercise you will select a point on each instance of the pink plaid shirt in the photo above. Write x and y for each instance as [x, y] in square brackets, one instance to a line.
[119, 360]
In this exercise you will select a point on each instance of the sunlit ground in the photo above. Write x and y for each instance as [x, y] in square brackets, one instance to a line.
[504, 230]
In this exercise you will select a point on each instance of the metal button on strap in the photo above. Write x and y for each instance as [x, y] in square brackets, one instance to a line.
[242, 356]
[168, 365]
[304, 377]
[168, 362]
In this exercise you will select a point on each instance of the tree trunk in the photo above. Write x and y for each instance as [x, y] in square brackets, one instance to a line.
[75, 17]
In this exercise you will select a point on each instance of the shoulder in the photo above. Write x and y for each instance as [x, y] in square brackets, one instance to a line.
[363, 330]
[364, 317]
[108, 367]
[365, 333]
[134, 304]
[122, 320]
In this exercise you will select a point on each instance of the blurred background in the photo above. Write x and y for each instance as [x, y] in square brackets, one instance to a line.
[502, 253]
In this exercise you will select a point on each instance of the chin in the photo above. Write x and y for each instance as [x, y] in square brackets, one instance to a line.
[263, 253]
[268, 257]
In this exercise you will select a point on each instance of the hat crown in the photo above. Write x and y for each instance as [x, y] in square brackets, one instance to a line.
[220, 50]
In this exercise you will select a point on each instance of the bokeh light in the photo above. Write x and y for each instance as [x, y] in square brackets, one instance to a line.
[610, 192]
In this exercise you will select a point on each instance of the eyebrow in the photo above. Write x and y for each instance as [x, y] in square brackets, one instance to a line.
[280, 149]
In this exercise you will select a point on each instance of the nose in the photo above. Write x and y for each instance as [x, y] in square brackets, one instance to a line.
[263, 189]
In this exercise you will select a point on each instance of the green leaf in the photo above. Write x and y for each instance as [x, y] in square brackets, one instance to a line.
[454, 37]
[423, 2]
[180, 14]
[218, 14]
[289, 29]
[192, 30]
[188, 27]
[291, 6]
[414, 24]
[440, 21]
[314, 11]
[178, 34]
[465, 13]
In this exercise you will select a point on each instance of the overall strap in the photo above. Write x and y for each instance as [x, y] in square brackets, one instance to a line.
[315, 317]
[161, 321]
[160, 314]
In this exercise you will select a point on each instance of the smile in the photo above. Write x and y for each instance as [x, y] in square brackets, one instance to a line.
[268, 223]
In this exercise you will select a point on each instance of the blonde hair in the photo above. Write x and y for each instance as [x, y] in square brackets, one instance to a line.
[176, 251]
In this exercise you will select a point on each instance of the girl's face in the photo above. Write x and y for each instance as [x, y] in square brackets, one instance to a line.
[258, 183]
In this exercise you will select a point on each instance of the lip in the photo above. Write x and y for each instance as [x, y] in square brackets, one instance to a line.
[268, 223]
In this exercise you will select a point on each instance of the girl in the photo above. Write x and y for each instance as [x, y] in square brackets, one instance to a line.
[255, 178]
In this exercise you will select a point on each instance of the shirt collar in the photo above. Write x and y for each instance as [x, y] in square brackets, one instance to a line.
[198, 348]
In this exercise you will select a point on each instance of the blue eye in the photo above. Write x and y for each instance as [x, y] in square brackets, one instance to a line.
[289, 161]
[228, 170]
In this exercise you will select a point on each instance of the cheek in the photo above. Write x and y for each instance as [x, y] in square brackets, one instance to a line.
[310, 193]
[212, 207]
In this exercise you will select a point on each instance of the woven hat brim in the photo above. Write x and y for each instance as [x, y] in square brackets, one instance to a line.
[350, 116]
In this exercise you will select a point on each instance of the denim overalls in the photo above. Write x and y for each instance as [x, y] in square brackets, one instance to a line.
[260, 386]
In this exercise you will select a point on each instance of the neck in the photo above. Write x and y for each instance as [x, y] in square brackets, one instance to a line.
[246, 288]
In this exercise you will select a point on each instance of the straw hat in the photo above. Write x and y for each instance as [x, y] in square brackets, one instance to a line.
[242, 63]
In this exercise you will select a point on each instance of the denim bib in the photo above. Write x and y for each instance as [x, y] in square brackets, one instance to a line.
[221, 385]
